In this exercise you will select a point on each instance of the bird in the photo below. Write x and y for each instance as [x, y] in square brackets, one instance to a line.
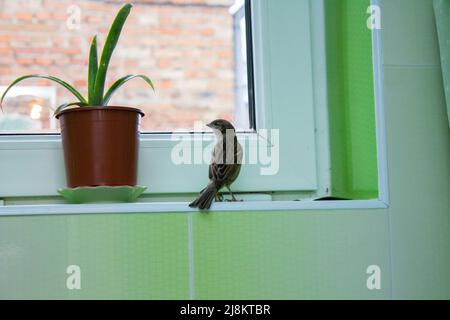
[225, 164]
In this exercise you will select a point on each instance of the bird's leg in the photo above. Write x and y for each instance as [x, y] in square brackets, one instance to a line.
[219, 197]
[233, 198]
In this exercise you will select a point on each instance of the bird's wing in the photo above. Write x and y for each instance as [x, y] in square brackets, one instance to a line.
[211, 172]
[221, 172]
[225, 173]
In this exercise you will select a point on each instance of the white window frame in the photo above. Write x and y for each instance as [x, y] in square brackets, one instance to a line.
[48, 148]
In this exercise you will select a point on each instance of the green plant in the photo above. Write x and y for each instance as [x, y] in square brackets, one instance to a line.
[96, 72]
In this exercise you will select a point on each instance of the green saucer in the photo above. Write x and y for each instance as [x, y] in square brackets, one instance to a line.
[102, 194]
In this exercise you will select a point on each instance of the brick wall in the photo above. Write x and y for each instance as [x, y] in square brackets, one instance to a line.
[185, 46]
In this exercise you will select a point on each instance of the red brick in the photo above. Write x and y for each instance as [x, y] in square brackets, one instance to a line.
[44, 61]
[25, 61]
[5, 71]
[4, 51]
[165, 84]
[5, 37]
[164, 63]
[43, 15]
[80, 83]
[207, 32]
[27, 16]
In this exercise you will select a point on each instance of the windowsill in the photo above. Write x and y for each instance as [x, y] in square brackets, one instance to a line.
[182, 207]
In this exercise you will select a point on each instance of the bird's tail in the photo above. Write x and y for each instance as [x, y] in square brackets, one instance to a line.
[206, 197]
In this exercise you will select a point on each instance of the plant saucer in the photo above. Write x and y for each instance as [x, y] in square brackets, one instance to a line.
[102, 194]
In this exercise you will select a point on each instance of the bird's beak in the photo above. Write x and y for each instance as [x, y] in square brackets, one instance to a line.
[209, 125]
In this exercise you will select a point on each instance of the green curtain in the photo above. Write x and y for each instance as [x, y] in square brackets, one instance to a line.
[442, 12]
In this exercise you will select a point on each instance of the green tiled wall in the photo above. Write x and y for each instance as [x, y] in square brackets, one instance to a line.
[143, 256]
[298, 255]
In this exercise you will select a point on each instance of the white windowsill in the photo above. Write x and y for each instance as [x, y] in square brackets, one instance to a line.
[182, 207]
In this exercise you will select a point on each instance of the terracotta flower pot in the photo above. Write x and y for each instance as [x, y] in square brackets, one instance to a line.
[101, 145]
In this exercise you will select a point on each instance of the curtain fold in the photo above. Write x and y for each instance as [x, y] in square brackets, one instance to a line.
[442, 13]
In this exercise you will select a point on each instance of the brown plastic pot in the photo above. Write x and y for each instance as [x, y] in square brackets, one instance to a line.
[101, 145]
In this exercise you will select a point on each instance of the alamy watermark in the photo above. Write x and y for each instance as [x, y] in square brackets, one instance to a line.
[374, 280]
[73, 21]
[374, 21]
[261, 148]
[73, 281]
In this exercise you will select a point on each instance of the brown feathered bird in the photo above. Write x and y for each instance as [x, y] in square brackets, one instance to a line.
[225, 164]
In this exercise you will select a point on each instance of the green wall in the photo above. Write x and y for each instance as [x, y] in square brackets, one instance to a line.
[305, 254]
[351, 100]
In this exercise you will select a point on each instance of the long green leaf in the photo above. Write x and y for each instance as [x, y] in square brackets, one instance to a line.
[93, 68]
[66, 105]
[121, 82]
[110, 45]
[59, 81]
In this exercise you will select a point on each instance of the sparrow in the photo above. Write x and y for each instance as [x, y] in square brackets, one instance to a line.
[225, 164]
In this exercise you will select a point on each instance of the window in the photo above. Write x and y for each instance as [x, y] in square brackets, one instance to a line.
[243, 65]
[194, 51]
[289, 73]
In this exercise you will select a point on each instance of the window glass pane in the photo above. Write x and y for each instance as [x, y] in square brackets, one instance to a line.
[194, 51]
